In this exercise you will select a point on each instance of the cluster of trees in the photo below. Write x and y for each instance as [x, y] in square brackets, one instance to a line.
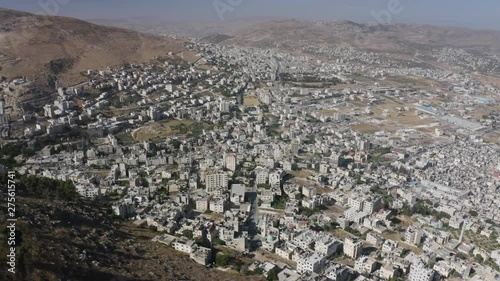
[273, 130]
[192, 130]
[99, 167]
[225, 260]
[299, 196]
[307, 212]
[9, 151]
[176, 143]
[280, 202]
[353, 231]
[188, 234]
[59, 66]
[425, 209]
[272, 276]
[222, 260]
[387, 198]
[344, 162]
[264, 185]
[478, 258]
[44, 188]
[381, 150]
[330, 227]
[376, 155]
[490, 222]
[202, 242]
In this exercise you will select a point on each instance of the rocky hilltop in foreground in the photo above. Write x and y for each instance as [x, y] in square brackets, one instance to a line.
[63, 239]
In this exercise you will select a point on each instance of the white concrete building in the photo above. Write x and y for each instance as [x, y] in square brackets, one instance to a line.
[230, 161]
[372, 204]
[420, 272]
[413, 235]
[202, 204]
[183, 245]
[327, 245]
[353, 247]
[312, 263]
[365, 264]
[216, 181]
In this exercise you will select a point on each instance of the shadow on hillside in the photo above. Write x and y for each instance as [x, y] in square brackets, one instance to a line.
[82, 274]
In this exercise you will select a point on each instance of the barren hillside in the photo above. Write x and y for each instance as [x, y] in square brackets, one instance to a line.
[369, 36]
[62, 239]
[35, 46]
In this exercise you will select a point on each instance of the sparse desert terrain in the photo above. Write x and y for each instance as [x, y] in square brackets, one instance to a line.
[35, 46]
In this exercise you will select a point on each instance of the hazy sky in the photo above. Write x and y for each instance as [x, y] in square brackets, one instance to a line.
[475, 14]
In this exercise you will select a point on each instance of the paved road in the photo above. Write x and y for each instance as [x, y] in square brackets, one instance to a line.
[254, 218]
[255, 204]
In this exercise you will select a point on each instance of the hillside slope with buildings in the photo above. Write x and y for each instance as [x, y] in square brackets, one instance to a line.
[34, 46]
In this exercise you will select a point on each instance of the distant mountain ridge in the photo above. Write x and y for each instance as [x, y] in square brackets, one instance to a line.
[196, 29]
[395, 36]
[371, 36]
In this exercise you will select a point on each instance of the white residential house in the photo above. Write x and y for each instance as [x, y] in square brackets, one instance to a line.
[327, 245]
[365, 264]
[184, 245]
[311, 263]
[276, 177]
[420, 272]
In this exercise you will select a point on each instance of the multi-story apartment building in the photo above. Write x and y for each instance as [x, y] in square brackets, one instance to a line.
[352, 247]
[216, 181]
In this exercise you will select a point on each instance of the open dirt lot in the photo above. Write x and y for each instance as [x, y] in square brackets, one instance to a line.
[365, 128]
[158, 130]
[250, 101]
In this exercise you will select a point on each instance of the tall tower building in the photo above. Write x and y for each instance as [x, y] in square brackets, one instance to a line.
[230, 161]
[294, 147]
[224, 106]
[2, 105]
[464, 226]
[4, 120]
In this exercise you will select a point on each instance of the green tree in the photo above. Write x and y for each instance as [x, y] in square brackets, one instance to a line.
[188, 234]
[280, 202]
[258, 271]
[272, 276]
[473, 213]
[222, 260]
[40, 187]
[264, 185]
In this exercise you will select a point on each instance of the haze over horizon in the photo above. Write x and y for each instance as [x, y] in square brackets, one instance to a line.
[460, 13]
